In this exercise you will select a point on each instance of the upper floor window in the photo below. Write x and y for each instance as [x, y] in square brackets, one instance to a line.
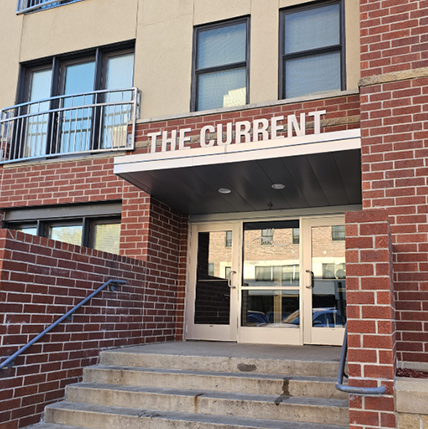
[72, 104]
[220, 65]
[312, 49]
[33, 5]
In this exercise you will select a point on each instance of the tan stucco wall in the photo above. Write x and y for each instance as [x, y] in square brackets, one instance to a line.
[77, 26]
[163, 30]
[163, 65]
[10, 26]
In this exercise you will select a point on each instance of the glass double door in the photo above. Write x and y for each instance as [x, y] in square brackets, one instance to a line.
[276, 282]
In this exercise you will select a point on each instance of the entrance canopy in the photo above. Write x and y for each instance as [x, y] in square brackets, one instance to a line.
[315, 170]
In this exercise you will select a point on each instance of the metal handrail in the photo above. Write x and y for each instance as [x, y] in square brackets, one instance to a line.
[9, 362]
[341, 373]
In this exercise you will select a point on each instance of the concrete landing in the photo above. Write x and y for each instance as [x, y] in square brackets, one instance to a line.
[227, 349]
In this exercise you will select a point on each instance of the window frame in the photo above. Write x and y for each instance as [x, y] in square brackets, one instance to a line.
[341, 47]
[107, 214]
[58, 64]
[197, 72]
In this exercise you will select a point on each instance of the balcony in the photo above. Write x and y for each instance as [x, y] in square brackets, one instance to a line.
[92, 122]
[25, 6]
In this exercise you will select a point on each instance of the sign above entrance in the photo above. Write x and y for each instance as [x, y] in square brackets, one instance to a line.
[262, 129]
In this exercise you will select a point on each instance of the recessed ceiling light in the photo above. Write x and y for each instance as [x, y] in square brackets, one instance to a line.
[224, 191]
[278, 186]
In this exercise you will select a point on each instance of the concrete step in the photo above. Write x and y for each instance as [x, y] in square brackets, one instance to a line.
[263, 384]
[282, 407]
[90, 416]
[286, 367]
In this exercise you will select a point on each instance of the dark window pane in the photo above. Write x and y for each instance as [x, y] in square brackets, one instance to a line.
[107, 237]
[212, 303]
[67, 234]
[312, 74]
[76, 123]
[222, 89]
[221, 46]
[264, 308]
[312, 28]
[37, 125]
[31, 231]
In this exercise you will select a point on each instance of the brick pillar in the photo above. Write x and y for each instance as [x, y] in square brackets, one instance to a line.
[155, 233]
[135, 222]
[371, 317]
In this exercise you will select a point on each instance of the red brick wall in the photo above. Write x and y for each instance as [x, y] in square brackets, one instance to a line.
[155, 233]
[394, 122]
[166, 260]
[342, 114]
[64, 182]
[40, 280]
[393, 36]
[371, 317]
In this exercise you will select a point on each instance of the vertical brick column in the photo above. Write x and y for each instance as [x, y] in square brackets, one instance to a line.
[155, 233]
[394, 118]
[371, 317]
[135, 222]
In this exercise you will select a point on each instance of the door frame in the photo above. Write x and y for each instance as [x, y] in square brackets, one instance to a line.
[235, 332]
[321, 336]
[212, 332]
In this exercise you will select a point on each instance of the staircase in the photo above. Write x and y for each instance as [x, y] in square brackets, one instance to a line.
[139, 388]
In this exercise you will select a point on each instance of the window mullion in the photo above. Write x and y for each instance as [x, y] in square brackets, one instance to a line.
[86, 231]
[221, 68]
[311, 52]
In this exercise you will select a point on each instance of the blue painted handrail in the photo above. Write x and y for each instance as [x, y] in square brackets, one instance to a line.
[341, 373]
[11, 359]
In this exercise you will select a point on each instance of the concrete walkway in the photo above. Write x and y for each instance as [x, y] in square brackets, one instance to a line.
[225, 349]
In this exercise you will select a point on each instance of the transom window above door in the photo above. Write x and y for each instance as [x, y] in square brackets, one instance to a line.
[220, 65]
[73, 105]
[312, 49]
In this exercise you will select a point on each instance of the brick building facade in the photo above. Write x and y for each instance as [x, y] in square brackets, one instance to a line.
[352, 152]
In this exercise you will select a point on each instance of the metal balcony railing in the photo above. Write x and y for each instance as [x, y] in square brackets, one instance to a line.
[25, 6]
[70, 124]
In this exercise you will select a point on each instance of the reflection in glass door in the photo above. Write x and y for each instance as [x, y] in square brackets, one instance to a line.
[326, 282]
[270, 290]
[213, 293]
[269, 282]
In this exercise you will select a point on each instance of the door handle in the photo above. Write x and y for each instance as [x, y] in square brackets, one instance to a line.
[229, 280]
[312, 279]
